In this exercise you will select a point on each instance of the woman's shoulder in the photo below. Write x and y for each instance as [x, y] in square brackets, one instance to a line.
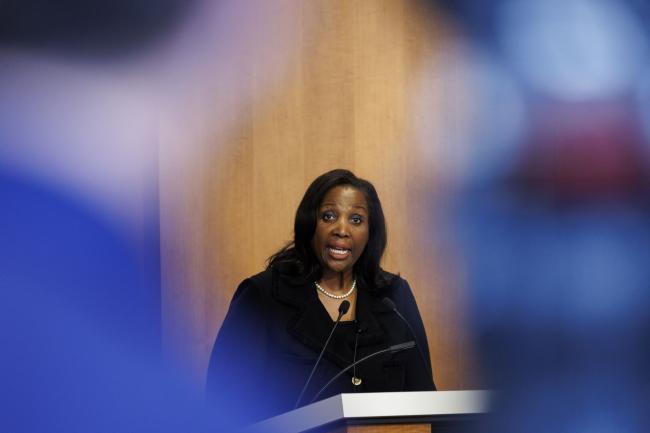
[256, 286]
[395, 287]
[262, 279]
[390, 281]
[399, 291]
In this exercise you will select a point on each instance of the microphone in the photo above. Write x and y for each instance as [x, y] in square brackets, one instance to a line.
[343, 308]
[361, 327]
[392, 349]
[390, 304]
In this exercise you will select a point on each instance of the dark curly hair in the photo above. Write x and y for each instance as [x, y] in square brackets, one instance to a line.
[297, 260]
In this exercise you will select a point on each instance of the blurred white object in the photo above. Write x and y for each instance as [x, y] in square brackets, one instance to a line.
[574, 49]
[93, 128]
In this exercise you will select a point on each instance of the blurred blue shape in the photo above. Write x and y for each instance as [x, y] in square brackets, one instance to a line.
[556, 238]
[557, 256]
[560, 297]
[498, 117]
[80, 316]
[573, 49]
[642, 98]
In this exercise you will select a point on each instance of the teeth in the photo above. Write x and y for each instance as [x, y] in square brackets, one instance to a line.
[338, 250]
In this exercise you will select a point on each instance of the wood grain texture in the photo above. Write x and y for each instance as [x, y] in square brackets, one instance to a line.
[384, 428]
[345, 100]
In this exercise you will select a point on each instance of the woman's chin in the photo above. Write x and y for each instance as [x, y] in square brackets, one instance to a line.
[337, 267]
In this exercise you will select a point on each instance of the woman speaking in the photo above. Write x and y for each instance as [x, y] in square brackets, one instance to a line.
[324, 293]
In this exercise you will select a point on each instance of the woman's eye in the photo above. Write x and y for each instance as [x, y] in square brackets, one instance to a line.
[356, 219]
[328, 216]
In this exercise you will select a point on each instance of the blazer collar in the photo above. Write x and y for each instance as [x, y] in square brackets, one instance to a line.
[311, 324]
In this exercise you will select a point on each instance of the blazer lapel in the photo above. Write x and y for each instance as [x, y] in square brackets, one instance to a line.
[368, 314]
[311, 324]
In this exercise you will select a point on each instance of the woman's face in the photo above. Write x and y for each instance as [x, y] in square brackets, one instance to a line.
[341, 230]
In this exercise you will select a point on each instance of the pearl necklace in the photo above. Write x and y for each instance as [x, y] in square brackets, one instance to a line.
[332, 295]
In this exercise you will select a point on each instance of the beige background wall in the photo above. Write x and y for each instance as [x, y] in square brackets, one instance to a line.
[344, 99]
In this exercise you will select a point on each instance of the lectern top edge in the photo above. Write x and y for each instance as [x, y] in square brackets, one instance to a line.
[381, 405]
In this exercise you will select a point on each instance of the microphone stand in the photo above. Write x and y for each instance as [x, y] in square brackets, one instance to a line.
[343, 308]
[393, 349]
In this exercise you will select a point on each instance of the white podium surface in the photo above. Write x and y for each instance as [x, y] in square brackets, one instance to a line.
[380, 405]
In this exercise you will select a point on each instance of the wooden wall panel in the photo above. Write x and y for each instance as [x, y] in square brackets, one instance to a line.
[345, 101]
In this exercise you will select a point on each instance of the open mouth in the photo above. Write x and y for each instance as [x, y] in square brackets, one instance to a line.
[339, 253]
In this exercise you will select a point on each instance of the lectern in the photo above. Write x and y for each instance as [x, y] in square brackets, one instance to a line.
[382, 412]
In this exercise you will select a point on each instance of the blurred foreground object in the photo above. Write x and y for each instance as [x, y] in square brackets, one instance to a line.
[84, 89]
[557, 251]
[551, 209]
[96, 29]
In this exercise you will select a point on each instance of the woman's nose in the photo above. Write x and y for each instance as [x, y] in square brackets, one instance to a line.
[341, 228]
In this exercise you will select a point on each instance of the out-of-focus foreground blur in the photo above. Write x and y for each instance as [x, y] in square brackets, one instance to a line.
[152, 155]
[549, 208]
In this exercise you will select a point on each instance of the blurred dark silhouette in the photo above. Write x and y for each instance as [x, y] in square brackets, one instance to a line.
[98, 29]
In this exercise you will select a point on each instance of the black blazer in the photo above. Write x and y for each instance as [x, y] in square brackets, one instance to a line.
[274, 331]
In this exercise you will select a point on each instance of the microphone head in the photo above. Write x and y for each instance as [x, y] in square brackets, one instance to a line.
[389, 303]
[344, 307]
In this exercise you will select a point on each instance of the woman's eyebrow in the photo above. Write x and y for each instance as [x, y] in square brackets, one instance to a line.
[359, 206]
